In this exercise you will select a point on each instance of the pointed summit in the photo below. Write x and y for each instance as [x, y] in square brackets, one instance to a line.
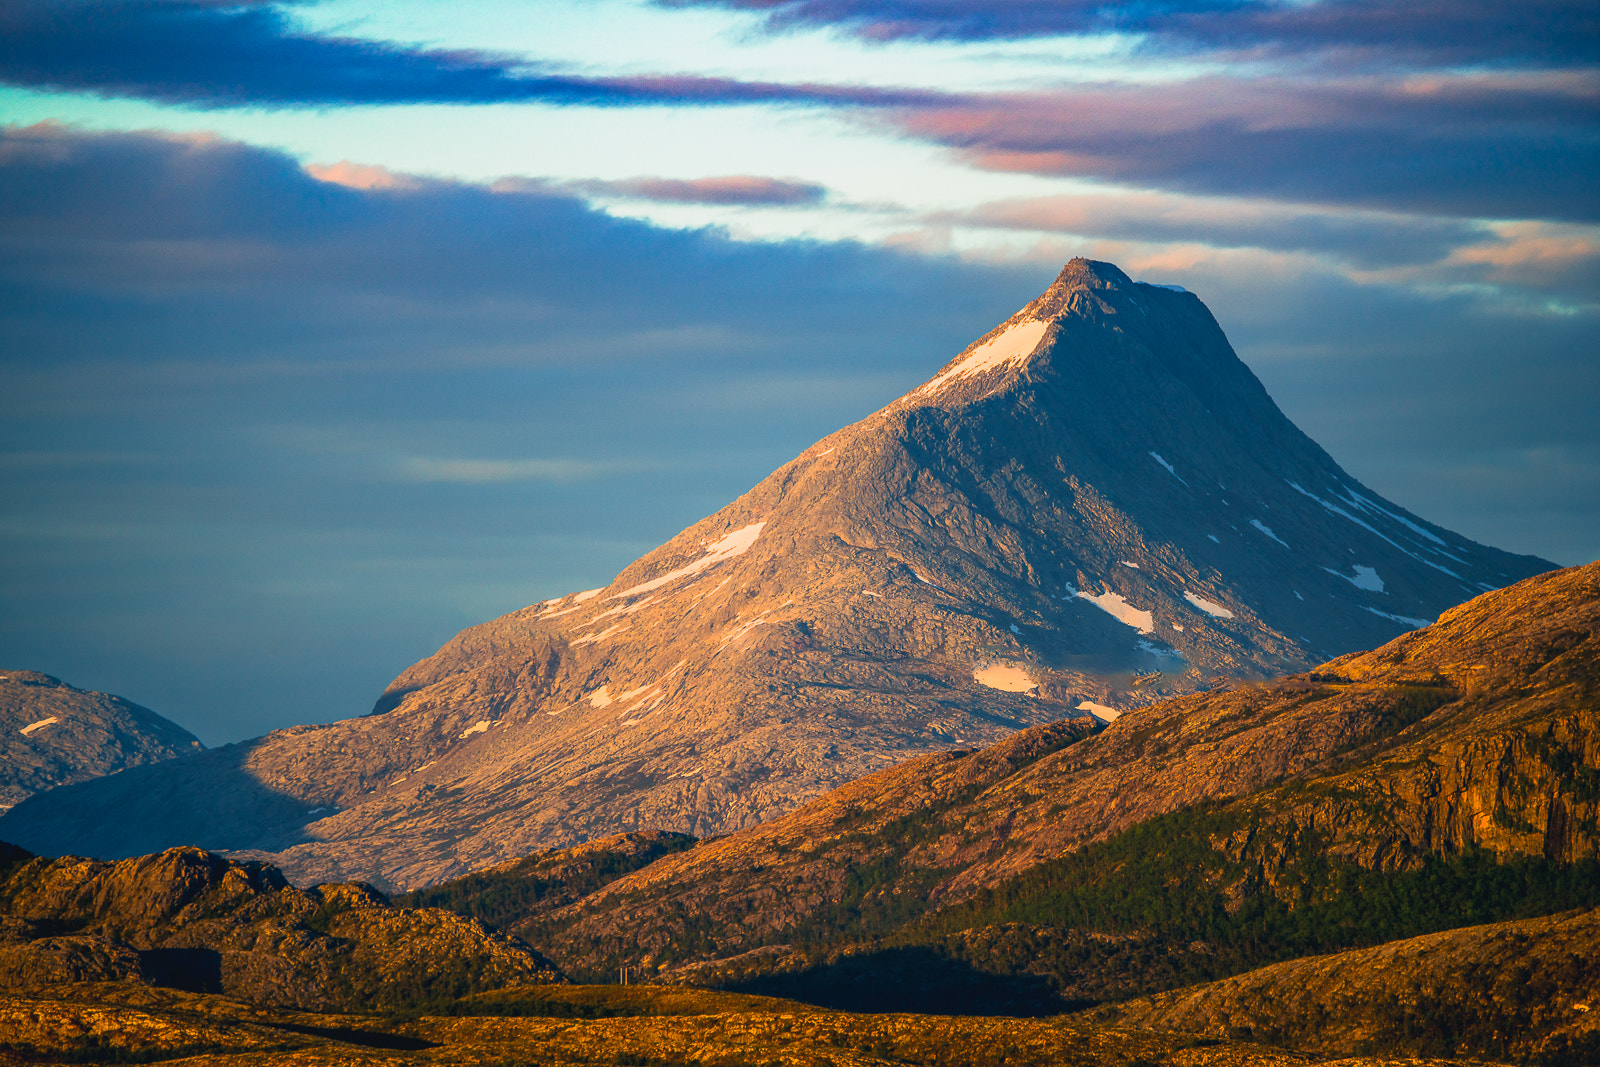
[1079, 275]
[1094, 506]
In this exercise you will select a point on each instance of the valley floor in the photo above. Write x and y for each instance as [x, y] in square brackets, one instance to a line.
[639, 1025]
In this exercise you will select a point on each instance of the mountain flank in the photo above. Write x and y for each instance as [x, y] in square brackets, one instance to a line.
[1095, 506]
[53, 734]
[1401, 860]
[1450, 777]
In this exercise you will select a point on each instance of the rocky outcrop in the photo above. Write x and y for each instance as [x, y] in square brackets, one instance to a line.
[191, 920]
[1096, 505]
[52, 734]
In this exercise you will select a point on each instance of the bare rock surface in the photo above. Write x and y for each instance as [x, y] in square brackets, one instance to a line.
[53, 734]
[1093, 507]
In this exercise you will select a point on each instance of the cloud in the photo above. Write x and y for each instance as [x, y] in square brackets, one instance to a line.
[1364, 238]
[1553, 31]
[1477, 147]
[737, 189]
[488, 471]
[251, 54]
[361, 176]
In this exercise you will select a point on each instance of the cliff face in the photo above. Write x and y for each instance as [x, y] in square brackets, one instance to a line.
[1093, 507]
[191, 920]
[53, 734]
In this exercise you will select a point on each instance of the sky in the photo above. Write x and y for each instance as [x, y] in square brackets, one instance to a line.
[329, 328]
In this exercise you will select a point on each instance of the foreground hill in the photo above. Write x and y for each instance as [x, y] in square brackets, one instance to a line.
[187, 919]
[582, 1025]
[1428, 807]
[1449, 777]
[1095, 505]
[1520, 991]
[52, 734]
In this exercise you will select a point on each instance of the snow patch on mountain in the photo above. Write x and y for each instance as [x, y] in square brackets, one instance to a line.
[1013, 346]
[1005, 679]
[1167, 465]
[1365, 578]
[735, 544]
[1409, 620]
[1118, 608]
[1210, 607]
[1264, 528]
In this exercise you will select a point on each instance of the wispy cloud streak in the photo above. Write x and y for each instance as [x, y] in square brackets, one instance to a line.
[235, 55]
[730, 190]
[1548, 31]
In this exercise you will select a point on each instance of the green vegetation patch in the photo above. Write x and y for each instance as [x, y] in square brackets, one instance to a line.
[502, 899]
[1166, 881]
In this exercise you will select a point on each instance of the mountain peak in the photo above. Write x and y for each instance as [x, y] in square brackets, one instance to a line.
[1094, 506]
[1083, 273]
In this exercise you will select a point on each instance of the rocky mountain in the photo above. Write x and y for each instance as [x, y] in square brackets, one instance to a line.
[1449, 777]
[52, 734]
[187, 919]
[1094, 506]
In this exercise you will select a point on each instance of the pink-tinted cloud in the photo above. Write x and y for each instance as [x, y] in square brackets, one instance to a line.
[361, 176]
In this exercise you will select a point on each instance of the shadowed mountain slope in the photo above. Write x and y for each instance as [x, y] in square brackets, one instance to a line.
[1095, 505]
[53, 734]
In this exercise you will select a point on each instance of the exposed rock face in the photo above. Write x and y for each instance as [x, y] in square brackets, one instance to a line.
[192, 920]
[1096, 504]
[52, 734]
[1482, 730]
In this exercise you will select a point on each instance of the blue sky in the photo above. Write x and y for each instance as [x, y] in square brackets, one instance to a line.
[332, 327]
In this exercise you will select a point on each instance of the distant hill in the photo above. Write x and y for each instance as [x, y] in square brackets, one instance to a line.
[1095, 506]
[52, 734]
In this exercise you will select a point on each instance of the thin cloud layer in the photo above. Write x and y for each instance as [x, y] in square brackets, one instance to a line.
[738, 189]
[1366, 240]
[1462, 31]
